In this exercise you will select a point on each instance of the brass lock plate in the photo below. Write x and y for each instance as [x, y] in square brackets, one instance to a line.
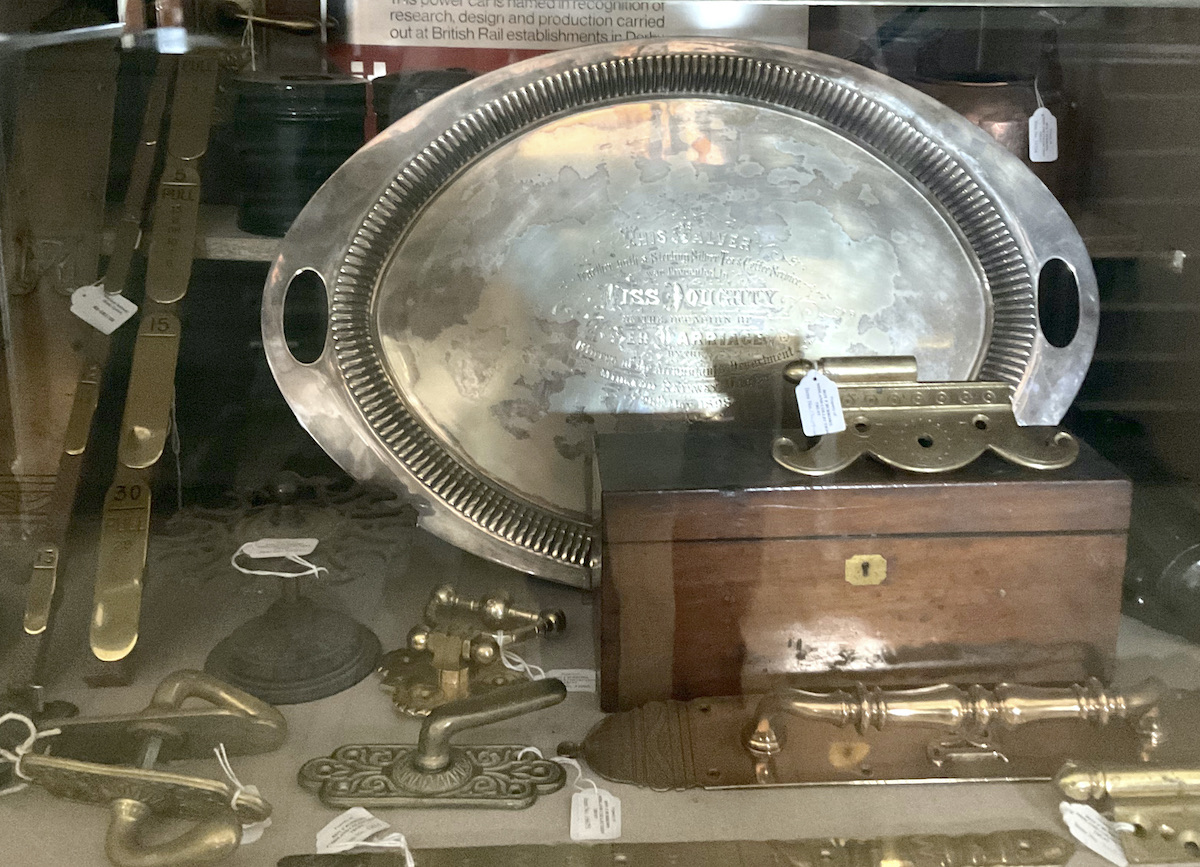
[381, 775]
[922, 427]
[680, 745]
[166, 794]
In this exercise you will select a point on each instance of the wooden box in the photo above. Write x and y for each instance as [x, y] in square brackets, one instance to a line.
[725, 574]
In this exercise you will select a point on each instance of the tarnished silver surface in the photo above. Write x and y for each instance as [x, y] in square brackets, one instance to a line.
[620, 235]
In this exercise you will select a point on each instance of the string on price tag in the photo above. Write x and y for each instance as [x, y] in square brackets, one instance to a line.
[514, 662]
[358, 828]
[574, 679]
[595, 812]
[253, 832]
[17, 753]
[1043, 131]
[293, 550]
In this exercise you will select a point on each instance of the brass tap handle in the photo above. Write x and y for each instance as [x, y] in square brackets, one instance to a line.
[208, 840]
[443, 723]
[973, 710]
[495, 611]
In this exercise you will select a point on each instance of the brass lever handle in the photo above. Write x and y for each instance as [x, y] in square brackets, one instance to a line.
[443, 723]
[207, 840]
[179, 686]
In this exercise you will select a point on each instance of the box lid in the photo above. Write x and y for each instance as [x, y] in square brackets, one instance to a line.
[713, 482]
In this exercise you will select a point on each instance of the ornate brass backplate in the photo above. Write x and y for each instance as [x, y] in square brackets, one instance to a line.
[1026, 848]
[923, 427]
[433, 773]
[703, 743]
[382, 775]
[170, 795]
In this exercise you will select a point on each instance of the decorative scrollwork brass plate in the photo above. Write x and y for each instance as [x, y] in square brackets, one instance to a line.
[165, 793]
[381, 775]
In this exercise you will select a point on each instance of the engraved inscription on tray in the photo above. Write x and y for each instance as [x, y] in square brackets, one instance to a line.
[666, 257]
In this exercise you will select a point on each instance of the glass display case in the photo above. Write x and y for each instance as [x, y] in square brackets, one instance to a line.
[379, 364]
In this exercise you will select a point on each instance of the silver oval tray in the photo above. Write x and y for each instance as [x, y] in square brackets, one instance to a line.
[634, 234]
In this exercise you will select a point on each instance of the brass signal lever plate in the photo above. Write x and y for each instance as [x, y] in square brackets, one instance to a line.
[922, 427]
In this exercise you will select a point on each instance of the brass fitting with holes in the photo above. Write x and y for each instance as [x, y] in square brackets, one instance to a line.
[923, 427]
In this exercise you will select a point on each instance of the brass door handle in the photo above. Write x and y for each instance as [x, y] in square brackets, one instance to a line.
[179, 686]
[436, 774]
[207, 840]
[443, 723]
[973, 710]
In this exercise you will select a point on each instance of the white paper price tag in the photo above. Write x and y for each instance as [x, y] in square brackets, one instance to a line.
[348, 830]
[279, 548]
[820, 405]
[575, 679]
[1043, 136]
[1094, 831]
[595, 815]
[102, 311]
[253, 832]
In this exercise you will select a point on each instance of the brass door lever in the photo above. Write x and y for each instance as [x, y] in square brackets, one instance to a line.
[435, 773]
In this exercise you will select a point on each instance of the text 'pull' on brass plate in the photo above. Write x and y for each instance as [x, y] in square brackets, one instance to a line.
[120, 564]
[1028, 848]
[626, 236]
[923, 427]
[147, 418]
[837, 738]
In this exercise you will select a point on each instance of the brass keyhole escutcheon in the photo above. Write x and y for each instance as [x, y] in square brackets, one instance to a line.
[866, 570]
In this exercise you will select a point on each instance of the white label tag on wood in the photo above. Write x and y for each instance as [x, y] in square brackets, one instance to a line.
[104, 312]
[820, 405]
[595, 815]
[1043, 136]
